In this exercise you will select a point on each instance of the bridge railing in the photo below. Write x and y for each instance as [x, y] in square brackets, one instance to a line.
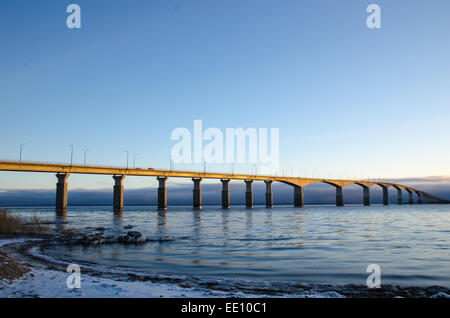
[200, 170]
[62, 163]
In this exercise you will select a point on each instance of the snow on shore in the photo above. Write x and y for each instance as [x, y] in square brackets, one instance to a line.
[52, 284]
[41, 282]
[46, 283]
[11, 241]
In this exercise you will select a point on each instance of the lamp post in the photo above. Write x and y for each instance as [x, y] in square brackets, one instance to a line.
[71, 154]
[127, 156]
[134, 160]
[85, 151]
[20, 154]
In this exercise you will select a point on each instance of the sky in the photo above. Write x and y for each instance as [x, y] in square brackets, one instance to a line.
[349, 101]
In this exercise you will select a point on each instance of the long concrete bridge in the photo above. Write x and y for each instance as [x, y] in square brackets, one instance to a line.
[63, 171]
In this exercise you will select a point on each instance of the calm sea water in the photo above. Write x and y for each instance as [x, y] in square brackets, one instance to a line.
[316, 244]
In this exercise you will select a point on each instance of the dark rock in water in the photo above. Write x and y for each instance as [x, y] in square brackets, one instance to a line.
[99, 238]
[136, 237]
[134, 234]
[100, 228]
[126, 227]
[123, 239]
[141, 239]
[132, 237]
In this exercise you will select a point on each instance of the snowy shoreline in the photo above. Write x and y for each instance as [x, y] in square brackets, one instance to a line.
[49, 283]
[42, 281]
[48, 277]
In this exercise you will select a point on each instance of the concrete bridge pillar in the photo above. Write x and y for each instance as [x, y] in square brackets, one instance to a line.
[410, 197]
[339, 196]
[248, 194]
[299, 201]
[366, 195]
[118, 192]
[162, 193]
[61, 192]
[225, 193]
[269, 196]
[399, 196]
[385, 195]
[419, 198]
[197, 194]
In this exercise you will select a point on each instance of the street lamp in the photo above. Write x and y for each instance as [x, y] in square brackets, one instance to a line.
[20, 155]
[134, 160]
[85, 150]
[71, 154]
[127, 156]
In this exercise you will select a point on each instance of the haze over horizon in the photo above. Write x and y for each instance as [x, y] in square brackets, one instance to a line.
[180, 193]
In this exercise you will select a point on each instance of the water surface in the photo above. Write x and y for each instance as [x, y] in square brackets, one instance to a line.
[315, 244]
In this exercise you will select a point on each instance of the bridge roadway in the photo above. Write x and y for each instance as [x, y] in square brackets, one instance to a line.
[63, 171]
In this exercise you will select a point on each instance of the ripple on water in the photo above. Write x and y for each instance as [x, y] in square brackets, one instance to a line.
[317, 244]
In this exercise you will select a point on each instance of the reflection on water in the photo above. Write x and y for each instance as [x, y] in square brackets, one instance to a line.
[320, 244]
[61, 220]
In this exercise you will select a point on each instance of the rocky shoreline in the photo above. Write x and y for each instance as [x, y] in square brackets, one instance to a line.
[11, 268]
[100, 238]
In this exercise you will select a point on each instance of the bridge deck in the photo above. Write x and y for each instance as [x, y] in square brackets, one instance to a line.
[81, 169]
[64, 170]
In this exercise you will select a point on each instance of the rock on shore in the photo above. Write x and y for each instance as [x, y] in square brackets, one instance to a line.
[99, 238]
[10, 268]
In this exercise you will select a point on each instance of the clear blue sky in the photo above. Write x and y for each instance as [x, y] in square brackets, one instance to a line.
[349, 101]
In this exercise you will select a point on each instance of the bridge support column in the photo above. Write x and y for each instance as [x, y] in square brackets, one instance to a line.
[385, 196]
[118, 192]
[162, 193]
[399, 196]
[339, 196]
[299, 201]
[61, 192]
[366, 194]
[197, 194]
[248, 194]
[410, 197]
[269, 196]
[420, 198]
[225, 193]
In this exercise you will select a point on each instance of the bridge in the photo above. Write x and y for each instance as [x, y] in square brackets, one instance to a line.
[63, 172]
